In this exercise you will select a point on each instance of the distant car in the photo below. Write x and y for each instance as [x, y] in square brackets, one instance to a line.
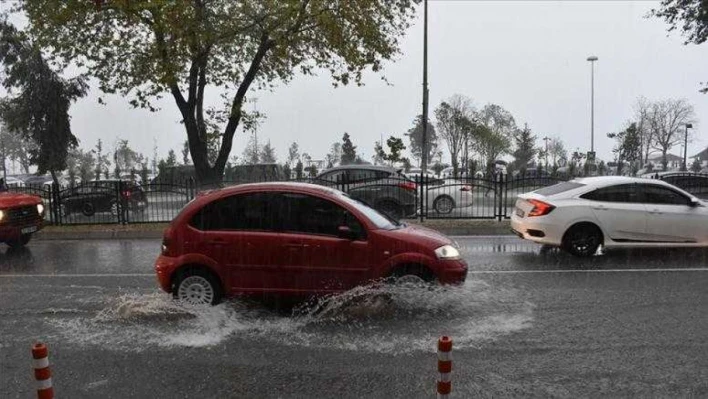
[44, 181]
[383, 188]
[294, 239]
[612, 211]
[21, 216]
[11, 181]
[444, 195]
[89, 198]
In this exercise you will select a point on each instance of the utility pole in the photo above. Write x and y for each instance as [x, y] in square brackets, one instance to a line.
[424, 162]
[685, 147]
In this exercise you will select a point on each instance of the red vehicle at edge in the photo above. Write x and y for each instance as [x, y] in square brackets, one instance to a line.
[293, 239]
[21, 215]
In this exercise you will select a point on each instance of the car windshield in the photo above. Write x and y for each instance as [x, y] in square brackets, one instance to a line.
[380, 219]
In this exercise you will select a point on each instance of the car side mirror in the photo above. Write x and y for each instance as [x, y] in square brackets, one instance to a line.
[694, 202]
[346, 233]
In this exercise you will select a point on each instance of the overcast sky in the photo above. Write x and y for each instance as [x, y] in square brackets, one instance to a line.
[529, 57]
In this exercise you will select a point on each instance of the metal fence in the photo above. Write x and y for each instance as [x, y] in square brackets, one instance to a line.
[118, 202]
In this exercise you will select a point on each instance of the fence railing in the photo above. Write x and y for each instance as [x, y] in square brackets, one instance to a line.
[493, 197]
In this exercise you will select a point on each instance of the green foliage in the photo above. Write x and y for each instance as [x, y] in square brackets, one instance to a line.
[525, 148]
[335, 155]
[287, 171]
[348, 150]
[415, 135]
[628, 147]
[696, 165]
[39, 100]
[268, 154]
[455, 126]
[293, 153]
[16, 147]
[298, 169]
[144, 50]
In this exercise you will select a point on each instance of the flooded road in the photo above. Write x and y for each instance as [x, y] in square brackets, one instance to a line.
[528, 322]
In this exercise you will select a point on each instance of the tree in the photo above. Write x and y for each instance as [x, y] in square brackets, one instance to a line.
[268, 154]
[40, 108]
[696, 165]
[293, 153]
[348, 150]
[102, 160]
[251, 154]
[298, 169]
[395, 150]
[525, 148]
[415, 135]
[455, 125]
[335, 155]
[125, 158]
[688, 16]
[171, 159]
[235, 46]
[557, 151]
[642, 111]
[627, 147]
[16, 147]
[496, 132]
[666, 118]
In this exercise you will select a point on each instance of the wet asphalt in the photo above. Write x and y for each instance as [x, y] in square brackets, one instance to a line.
[529, 322]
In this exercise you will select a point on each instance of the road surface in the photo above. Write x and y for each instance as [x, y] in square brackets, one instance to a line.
[526, 323]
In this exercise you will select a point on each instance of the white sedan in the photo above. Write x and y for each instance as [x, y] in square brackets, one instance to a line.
[613, 211]
[445, 195]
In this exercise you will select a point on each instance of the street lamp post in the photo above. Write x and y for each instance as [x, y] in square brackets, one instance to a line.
[592, 60]
[685, 146]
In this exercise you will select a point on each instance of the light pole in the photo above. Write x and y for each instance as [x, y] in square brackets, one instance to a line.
[592, 60]
[685, 146]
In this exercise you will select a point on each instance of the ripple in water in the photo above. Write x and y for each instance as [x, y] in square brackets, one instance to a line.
[375, 318]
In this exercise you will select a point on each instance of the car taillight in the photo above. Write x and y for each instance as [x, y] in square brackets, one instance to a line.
[540, 208]
[126, 194]
[466, 188]
[408, 186]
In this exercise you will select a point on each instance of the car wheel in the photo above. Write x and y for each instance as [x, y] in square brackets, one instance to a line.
[20, 242]
[88, 209]
[412, 275]
[197, 287]
[391, 208]
[582, 240]
[443, 204]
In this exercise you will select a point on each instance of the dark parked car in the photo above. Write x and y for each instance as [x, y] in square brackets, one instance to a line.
[294, 239]
[383, 188]
[103, 196]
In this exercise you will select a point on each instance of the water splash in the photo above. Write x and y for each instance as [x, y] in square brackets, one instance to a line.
[376, 318]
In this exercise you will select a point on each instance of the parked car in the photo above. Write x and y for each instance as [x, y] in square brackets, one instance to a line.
[44, 181]
[612, 211]
[444, 195]
[383, 188]
[102, 196]
[21, 216]
[293, 239]
[11, 181]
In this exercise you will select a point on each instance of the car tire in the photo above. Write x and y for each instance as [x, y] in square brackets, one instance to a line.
[88, 210]
[444, 204]
[412, 274]
[582, 240]
[20, 242]
[391, 208]
[197, 287]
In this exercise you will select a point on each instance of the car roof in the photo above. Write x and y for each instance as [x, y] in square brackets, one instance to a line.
[602, 181]
[305, 188]
[364, 167]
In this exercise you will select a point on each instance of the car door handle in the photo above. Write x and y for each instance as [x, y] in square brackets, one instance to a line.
[599, 208]
[656, 212]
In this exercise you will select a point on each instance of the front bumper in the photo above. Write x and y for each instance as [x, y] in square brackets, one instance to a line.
[454, 272]
[164, 267]
[14, 231]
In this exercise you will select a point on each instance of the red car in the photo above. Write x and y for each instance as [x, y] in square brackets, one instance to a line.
[293, 239]
[21, 215]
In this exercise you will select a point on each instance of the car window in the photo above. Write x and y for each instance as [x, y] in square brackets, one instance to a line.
[654, 194]
[618, 193]
[559, 188]
[363, 175]
[314, 215]
[253, 212]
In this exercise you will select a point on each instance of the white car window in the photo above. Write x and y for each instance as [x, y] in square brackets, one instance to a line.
[619, 193]
[662, 195]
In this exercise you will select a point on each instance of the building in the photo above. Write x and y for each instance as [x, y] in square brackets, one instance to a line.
[702, 158]
[673, 162]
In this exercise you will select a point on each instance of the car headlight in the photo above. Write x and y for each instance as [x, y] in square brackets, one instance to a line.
[447, 252]
[2, 215]
[40, 209]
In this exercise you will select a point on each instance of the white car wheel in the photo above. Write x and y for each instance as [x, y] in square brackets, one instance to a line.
[196, 291]
[443, 204]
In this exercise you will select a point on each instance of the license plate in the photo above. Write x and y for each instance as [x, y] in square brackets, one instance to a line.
[28, 230]
[519, 212]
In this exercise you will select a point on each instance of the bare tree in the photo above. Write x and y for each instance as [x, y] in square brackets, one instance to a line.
[557, 151]
[666, 118]
[455, 125]
[642, 111]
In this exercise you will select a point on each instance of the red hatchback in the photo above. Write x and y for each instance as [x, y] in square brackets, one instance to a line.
[293, 239]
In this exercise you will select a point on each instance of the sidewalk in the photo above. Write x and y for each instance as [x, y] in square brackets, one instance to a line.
[456, 227]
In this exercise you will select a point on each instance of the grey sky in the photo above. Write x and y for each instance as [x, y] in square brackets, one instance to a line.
[529, 57]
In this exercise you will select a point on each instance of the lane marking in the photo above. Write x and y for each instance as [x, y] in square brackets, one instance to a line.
[690, 269]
